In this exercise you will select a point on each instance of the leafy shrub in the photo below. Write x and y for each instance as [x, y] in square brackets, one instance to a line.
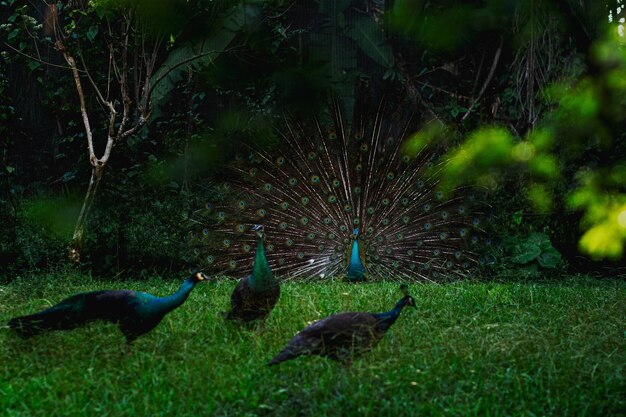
[524, 255]
[536, 250]
[35, 247]
[141, 232]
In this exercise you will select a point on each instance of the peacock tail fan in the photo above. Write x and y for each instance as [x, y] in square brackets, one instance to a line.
[328, 178]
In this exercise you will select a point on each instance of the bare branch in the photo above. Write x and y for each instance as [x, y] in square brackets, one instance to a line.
[413, 92]
[443, 90]
[137, 69]
[32, 58]
[116, 70]
[81, 97]
[143, 118]
[109, 74]
[95, 86]
[110, 143]
[124, 78]
[480, 69]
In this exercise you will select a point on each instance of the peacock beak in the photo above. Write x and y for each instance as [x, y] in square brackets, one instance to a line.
[201, 277]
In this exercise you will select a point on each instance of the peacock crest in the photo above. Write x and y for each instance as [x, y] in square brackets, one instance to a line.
[335, 188]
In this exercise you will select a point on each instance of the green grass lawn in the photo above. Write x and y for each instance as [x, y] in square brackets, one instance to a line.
[468, 349]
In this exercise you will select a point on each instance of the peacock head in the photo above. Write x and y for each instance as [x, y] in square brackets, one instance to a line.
[407, 300]
[199, 276]
[356, 232]
[260, 230]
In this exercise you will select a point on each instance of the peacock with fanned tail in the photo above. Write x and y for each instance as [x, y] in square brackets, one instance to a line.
[340, 198]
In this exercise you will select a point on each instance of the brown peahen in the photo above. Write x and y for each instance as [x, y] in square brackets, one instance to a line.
[344, 335]
[136, 313]
[340, 199]
[255, 296]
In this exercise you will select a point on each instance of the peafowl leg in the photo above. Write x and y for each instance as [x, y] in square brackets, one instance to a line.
[130, 337]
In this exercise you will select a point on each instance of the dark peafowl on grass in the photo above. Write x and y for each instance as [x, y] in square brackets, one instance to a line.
[344, 335]
[136, 313]
[341, 198]
[255, 295]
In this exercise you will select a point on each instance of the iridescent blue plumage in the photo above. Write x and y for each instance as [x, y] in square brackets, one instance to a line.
[356, 272]
[386, 319]
[136, 313]
[262, 277]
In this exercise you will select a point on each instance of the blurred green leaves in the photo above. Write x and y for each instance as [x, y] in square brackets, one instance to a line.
[477, 159]
[56, 215]
[578, 102]
[424, 137]
[447, 25]
[604, 215]
[573, 157]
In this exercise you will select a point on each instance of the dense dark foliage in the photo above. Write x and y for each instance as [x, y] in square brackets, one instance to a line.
[459, 65]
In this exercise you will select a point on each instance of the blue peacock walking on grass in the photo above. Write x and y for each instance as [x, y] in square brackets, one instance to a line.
[343, 336]
[340, 198]
[255, 296]
[136, 313]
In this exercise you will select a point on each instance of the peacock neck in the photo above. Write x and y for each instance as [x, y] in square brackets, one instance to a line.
[262, 277]
[169, 303]
[388, 318]
[356, 272]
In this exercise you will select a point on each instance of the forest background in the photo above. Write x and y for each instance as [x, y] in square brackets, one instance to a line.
[526, 97]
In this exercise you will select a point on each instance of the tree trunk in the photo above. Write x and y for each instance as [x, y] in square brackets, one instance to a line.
[77, 238]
